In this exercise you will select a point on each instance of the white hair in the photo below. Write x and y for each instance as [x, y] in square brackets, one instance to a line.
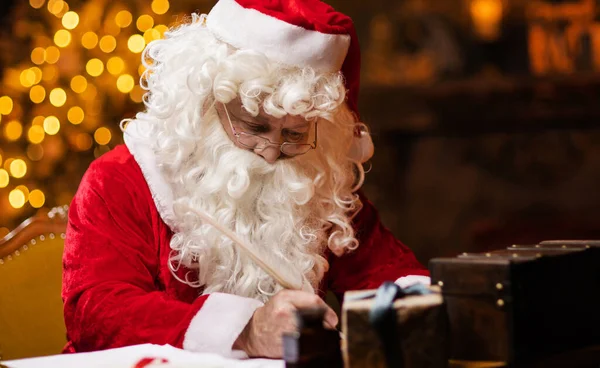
[295, 208]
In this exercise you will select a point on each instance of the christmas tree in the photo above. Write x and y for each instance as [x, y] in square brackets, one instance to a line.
[71, 72]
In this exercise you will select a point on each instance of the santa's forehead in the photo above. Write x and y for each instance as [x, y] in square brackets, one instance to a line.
[264, 118]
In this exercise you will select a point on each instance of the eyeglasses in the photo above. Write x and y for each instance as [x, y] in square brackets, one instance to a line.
[254, 141]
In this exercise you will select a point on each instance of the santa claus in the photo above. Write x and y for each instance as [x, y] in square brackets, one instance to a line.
[251, 119]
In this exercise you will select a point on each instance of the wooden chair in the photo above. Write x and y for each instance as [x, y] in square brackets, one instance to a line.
[31, 309]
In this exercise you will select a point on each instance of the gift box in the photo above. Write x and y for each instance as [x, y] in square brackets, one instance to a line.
[409, 332]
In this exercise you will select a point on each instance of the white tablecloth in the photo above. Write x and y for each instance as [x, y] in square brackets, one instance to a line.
[128, 357]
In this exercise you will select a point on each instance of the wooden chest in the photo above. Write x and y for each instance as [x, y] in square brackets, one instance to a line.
[521, 303]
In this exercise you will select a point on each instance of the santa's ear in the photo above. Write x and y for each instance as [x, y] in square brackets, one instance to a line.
[362, 148]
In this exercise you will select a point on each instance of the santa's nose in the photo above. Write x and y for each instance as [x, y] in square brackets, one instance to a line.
[269, 153]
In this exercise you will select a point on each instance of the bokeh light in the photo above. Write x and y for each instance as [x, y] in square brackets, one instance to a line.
[16, 198]
[94, 67]
[161, 28]
[136, 43]
[38, 120]
[62, 38]
[144, 22]
[37, 94]
[35, 152]
[18, 168]
[160, 6]
[151, 35]
[78, 84]
[6, 105]
[75, 115]
[7, 163]
[13, 130]
[4, 178]
[37, 198]
[25, 191]
[51, 125]
[108, 44]
[36, 4]
[58, 97]
[36, 134]
[89, 40]
[123, 18]
[115, 65]
[30, 76]
[37, 73]
[125, 83]
[52, 55]
[27, 78]
[102, 136]
[57, 7]
[38, 55]
[70, 20]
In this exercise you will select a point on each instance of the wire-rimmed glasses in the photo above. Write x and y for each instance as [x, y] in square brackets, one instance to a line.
[254, 141]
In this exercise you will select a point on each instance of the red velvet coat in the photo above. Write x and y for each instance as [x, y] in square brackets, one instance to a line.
[118, 290]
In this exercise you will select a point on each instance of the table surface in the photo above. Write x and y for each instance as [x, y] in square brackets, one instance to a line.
[588, 357]
[128, 357]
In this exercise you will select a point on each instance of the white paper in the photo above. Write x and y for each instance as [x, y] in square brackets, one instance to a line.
[127, 357]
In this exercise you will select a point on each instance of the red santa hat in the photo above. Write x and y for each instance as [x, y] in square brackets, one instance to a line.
[297, 33]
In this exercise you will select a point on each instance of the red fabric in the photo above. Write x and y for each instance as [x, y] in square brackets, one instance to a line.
[145, 362]
[315, 15]
[117, 288]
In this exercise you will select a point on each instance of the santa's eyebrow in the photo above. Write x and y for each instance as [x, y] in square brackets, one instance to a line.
[249, 119]
[253, 119]
[299, 126]
[263, 122]
[261, 119]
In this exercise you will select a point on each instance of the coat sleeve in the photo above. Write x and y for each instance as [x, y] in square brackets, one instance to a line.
[111, 265]
[379, 257]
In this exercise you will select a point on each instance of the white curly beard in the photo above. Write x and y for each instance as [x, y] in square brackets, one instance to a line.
[294, 209]
[273, 207]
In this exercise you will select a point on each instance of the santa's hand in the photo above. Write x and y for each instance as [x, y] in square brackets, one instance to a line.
[263, 335]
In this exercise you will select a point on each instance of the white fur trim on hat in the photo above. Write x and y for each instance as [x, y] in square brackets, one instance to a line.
[280, 41]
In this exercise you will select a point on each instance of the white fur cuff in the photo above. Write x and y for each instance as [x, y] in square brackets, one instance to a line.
[407, 281]
[218, 323]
